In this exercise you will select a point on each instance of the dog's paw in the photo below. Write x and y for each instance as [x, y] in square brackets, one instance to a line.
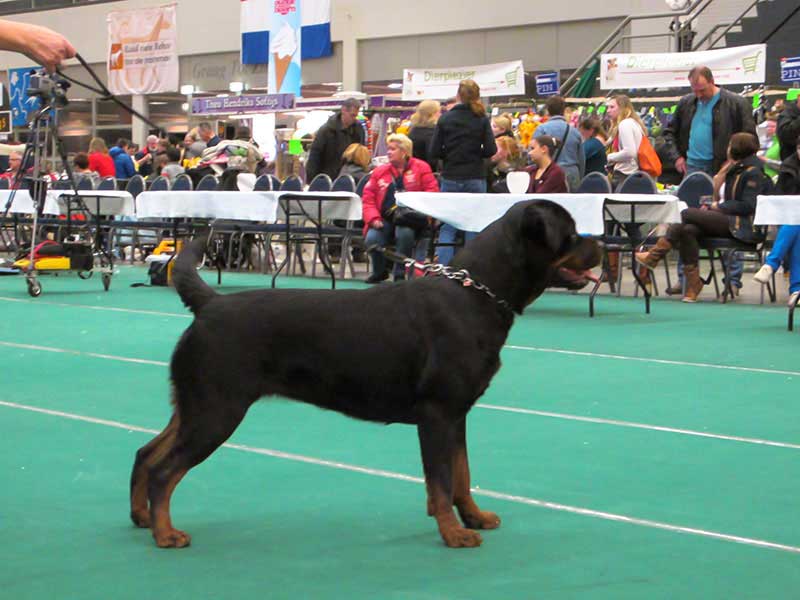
[458, 537]
[481, 520]
[141, 518]
[172, 538]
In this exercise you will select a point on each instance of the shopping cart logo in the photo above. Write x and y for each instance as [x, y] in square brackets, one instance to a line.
[511, 78]
[750, 63]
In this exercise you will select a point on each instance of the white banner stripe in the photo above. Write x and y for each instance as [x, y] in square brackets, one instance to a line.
[587, 512]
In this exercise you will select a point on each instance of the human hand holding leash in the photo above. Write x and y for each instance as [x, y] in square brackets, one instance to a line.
[40, 44]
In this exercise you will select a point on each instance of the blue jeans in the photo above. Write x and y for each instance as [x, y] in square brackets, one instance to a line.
[447, 233]
[707, 169]
[403, 237]
[736, 266]
[787, 247]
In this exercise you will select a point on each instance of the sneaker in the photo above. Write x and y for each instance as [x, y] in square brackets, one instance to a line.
[377, 277]
[792, 299]
[764, 275]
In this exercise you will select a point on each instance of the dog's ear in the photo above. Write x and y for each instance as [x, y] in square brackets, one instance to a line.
[540, 226]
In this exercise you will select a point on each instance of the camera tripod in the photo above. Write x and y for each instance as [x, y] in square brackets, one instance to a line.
[43, 135]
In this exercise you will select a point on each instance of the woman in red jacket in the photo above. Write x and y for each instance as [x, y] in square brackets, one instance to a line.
[406, 174]
[100, 160]
[546, 176]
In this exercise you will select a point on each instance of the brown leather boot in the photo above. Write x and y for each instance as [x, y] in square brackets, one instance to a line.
[613, 268]
[657, 252]
[694, 285]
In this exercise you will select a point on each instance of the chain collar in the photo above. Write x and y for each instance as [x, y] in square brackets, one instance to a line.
[462, 276]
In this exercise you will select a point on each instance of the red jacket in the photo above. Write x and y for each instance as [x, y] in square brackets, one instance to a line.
[417, 177]
[102, 164]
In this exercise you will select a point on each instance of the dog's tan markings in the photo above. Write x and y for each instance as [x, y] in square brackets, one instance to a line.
[471, 515]
[164, 533]
[440, 505]
[147, 456]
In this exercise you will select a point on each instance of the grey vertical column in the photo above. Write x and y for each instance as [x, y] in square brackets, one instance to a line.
[139, 129]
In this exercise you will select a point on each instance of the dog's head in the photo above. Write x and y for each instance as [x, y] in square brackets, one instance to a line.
[532, 247]
[554, 253]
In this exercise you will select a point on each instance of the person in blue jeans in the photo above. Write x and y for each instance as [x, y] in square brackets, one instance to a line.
[786, 248]
[462, 139]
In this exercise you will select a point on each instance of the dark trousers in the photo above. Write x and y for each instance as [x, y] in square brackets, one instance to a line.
[697, 224]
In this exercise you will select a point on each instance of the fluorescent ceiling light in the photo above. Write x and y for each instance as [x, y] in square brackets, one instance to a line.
[187, 89]
[236, 86]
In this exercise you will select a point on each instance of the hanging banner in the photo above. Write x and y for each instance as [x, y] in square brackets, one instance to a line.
[744, 64]
[256, 103]
[547, 84]
[790, 69]
[285, 48]
[22, 105]
[499, 79]
[143, 51]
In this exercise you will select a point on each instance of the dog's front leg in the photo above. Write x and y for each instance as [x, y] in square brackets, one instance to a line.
[472, 516]
[437, 438]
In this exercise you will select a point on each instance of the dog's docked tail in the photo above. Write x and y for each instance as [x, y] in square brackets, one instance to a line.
[194, 292]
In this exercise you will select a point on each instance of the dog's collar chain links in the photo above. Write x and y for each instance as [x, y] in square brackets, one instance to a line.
[462, 276]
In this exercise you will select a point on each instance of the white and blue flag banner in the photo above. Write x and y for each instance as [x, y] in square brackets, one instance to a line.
[256, 23]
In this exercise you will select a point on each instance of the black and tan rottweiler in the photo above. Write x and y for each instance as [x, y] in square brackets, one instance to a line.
[420, 352]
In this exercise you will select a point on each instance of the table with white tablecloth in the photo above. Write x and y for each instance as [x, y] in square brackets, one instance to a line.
[474, 212]
[247, 206]
[777, 210]
[22, 203]
[265, 207]
[97, 202]
[244, 206]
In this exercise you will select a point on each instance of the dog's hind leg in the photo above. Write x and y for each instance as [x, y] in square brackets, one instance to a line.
[472, 516]
[197, 437]
[437, 438]
[146, 456]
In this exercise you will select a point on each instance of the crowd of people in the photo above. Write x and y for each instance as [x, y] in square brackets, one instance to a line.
[712, 131]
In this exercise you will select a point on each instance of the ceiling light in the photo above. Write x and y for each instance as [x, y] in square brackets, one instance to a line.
[187, 89]
[236, 87]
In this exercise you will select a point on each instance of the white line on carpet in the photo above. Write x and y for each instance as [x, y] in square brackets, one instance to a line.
[511, 409]
[587, 512]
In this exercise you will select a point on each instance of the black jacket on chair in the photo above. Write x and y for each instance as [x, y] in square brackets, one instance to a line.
[462, 140]
[732, 114]
[788, 129]
[332, 139]
[789, 176]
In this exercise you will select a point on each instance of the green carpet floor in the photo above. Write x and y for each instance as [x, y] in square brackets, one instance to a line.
[269, 525]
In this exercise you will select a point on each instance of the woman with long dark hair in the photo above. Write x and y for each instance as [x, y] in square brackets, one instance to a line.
[462, 139]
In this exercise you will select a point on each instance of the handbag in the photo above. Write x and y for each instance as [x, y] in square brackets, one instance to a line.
[401, 216]
[648, 158]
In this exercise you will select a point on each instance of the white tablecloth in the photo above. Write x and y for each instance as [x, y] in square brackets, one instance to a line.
[112, 202]
[777, 210]
[244, 206]
[23, 204]
[474, 212]
[340, 208]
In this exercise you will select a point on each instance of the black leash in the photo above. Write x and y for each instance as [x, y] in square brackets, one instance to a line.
[462, 276]
[106, 94]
